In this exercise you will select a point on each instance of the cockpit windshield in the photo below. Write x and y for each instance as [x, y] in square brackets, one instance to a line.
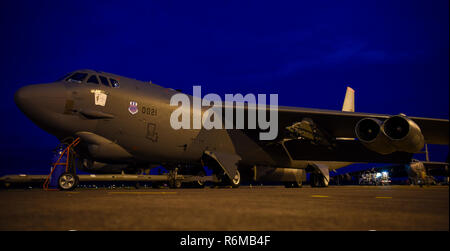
[114, 82]
[93, 79]
[77, 77]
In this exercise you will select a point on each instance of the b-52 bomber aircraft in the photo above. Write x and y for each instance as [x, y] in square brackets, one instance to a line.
[126, 124]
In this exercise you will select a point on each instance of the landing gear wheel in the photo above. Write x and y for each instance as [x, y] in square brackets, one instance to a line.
[317, 180]
[236, 181]
[224, 180]
[293, 184]
[200, 183]
[68, 181]
[175, 184]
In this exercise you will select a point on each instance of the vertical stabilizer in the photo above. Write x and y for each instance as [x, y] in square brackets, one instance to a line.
[349, 101]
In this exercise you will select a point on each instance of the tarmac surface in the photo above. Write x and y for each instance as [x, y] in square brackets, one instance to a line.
[246, 208]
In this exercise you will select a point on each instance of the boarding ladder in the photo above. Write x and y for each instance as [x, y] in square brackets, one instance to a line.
[68, 152]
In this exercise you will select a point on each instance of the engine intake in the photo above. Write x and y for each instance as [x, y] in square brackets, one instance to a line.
[369, 132]
[397, 133]
[404, 134]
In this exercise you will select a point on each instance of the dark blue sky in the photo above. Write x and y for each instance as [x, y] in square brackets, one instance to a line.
[395, 54]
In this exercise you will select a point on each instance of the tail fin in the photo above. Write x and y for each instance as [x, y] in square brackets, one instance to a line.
[349, 101]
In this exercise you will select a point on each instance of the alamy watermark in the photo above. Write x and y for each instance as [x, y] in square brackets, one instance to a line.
[211, 118]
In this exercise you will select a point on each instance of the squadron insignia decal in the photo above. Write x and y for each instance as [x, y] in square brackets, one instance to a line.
[133, 109]
[99, 97]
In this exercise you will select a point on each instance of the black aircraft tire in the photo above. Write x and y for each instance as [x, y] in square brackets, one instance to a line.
[175, 184]
[236, 181]
[224, 181]
[317, 180]
[198, 183]
[195, 183]
[312, 180]
[68, 181]
[293, 184]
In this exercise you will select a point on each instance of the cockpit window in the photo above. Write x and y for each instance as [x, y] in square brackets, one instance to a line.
[114, 82]
[104, 80]
[93, 79]
[77, 77]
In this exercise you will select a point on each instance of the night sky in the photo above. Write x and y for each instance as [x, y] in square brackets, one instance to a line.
[395, 54]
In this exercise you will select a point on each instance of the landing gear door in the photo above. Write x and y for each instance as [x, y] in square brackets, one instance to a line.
[227, 162]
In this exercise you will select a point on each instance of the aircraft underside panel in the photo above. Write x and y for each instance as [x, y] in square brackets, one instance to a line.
[267, 173]
[345, 151]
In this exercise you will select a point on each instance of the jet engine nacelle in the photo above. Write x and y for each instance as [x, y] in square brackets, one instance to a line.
[404, 134]
[397, 133]
[369, 132]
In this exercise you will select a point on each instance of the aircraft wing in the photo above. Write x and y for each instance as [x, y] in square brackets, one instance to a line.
[342, 124]
[328, 135]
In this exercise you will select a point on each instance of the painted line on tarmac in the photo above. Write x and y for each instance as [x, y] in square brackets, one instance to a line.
[142, 192]
[319, 196]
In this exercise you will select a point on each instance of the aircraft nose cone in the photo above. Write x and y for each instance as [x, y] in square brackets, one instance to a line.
[33, 98]
[43, 104]
[23, 94]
